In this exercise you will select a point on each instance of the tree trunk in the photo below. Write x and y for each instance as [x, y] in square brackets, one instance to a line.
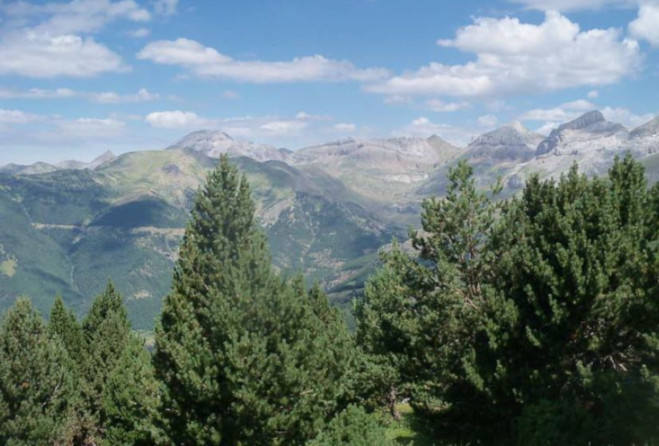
[393, 398]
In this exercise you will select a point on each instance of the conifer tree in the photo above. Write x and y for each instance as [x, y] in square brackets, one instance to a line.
[421, 316]
[353, 427]
[537, 327]
[131, 397]
[579, 272]
[36, 387]
[245, 357]
[64, 325]
[113, 358]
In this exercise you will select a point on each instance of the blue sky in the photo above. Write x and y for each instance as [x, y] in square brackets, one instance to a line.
[83, 76]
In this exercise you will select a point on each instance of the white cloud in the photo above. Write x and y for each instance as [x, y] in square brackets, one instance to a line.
[626, 117]
[139, 32]
[54, 38]
[437, 105]
[563, 113]
[397, 99]
[74, 17]
[488, 121]
[110, 97]
[345, 127]
[37, 93]
[66, 55]
[646, 26]
[91, 127]
[230, 94]
[15, 117]
[514, 58]
[283, 128]
[107, 97]
[165, 7]
[553, 117]
[304, 116]
[593, 94]
[177, 119]
[424, 127]
[207, 62]
[572, 5]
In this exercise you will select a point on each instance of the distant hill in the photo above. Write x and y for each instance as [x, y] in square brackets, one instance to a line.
[326, 209]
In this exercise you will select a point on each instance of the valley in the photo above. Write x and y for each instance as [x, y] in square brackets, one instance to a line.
[327, 210]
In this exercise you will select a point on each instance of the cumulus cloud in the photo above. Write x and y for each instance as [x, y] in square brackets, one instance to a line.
[437, 105]
[204, 61]
[424, 127]
[15, 117]
[572, 5]
[230, 94]
[646, 25]
[626, 117]
[110, 97]
[41, 56]
[91, 127]
[514, 57]
[488, 121]
[553, 117]
[345, 127]
[281, 127]
[139, 32]
[177, 119]
[564, 112]
[37, 93]
[165, 7]
[107, 97]
[53, 39]
[74, 17]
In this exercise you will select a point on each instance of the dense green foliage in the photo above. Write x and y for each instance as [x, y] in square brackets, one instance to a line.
[530, 321]
[36, 386]
[245, 357]
[538, 326]
[66, 232]
[353, 427]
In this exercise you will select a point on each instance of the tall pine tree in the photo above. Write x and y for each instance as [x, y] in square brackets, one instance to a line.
[36, 386]
[113, 358]
[245, 357]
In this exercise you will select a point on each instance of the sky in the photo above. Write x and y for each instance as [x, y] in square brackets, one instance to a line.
[81, 77]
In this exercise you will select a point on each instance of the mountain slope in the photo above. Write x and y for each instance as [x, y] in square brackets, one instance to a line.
[125, 221]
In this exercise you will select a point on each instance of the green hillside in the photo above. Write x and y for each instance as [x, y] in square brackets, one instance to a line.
[68, 231]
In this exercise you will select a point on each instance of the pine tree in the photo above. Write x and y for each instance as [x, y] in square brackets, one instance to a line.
[353, 427]
[421, 316]
[113, 358]
[131, 397]
[579, 271]
[245, 357]
[36, 387]
[64, 325]
[538, 326]
[106, 331]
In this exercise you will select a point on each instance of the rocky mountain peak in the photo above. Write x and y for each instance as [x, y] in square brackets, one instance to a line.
[648, 129]
[583, 121]
[510, 142]
[591, 130]
[214, 143]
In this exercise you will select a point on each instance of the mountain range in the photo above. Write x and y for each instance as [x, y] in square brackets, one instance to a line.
[326, 209]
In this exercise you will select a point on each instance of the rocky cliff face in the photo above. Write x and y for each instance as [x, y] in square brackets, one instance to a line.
[511, 142]
[586, 133]
[647, 130]
[215, 143]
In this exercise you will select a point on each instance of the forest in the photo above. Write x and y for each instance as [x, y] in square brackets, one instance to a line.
[529, 320]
